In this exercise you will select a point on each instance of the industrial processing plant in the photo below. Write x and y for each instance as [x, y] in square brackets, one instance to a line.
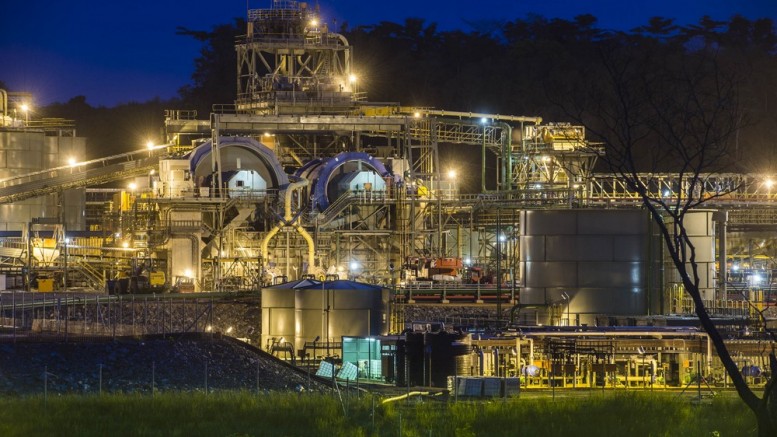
[363, 244]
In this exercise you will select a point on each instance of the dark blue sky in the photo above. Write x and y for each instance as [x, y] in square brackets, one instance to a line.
[115, 52]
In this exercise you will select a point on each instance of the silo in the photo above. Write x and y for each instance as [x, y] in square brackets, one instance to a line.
[586, 262]
[334, 309]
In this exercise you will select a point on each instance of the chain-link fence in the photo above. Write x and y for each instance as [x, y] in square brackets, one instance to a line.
[74, 315]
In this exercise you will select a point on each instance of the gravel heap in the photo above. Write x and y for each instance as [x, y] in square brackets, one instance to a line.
[186, 362]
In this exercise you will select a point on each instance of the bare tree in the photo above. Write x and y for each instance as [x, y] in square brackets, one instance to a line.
[665, 106]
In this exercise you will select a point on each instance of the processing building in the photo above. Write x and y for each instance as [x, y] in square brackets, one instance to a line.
[303, 178]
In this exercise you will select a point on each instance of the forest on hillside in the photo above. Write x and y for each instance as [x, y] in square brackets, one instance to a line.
[553, 68]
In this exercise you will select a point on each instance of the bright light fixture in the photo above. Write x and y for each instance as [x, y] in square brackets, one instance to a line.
[71, 161]
[150, 144]
[352, 78]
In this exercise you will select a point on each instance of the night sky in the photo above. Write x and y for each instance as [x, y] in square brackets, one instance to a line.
[120, 51]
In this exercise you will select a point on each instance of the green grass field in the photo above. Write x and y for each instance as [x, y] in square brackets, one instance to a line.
[286, 414]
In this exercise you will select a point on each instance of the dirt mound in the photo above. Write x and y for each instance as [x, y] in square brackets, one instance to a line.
[188, 362]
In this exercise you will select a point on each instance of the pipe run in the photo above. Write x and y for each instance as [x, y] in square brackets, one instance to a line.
[288, 217]
[3, 106]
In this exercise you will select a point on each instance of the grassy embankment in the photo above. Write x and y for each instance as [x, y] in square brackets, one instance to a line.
[247, 414]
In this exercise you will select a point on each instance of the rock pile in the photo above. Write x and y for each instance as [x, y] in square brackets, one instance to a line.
[187, 362]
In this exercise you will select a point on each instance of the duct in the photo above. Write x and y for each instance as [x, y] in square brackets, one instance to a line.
[340, 37]
[311, 246]
[288, 217]
[267, 238]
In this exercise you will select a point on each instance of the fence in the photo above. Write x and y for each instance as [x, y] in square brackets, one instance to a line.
[71, 316]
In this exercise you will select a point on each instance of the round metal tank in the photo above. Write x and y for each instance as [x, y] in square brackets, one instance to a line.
[333, 309]
[29, 151]
[346, 172]
[598, 259]
[700, 228]
[463, 356]
[278, 311]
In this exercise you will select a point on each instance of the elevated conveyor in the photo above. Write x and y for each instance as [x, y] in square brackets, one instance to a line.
[83, 174]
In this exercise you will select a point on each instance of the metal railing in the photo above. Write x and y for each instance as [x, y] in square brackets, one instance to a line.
[446, 292]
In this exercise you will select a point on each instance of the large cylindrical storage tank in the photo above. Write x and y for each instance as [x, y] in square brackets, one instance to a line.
[701, 229]
[32, 150]
[334, 309]
[278, 312]
[587, 262]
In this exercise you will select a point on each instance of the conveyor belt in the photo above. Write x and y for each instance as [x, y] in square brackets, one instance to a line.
[95, 172]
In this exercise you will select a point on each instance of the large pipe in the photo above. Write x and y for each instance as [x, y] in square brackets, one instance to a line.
[288, 217]
[267, 239]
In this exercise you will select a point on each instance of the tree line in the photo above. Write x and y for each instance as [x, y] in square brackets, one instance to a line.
[530, 66]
